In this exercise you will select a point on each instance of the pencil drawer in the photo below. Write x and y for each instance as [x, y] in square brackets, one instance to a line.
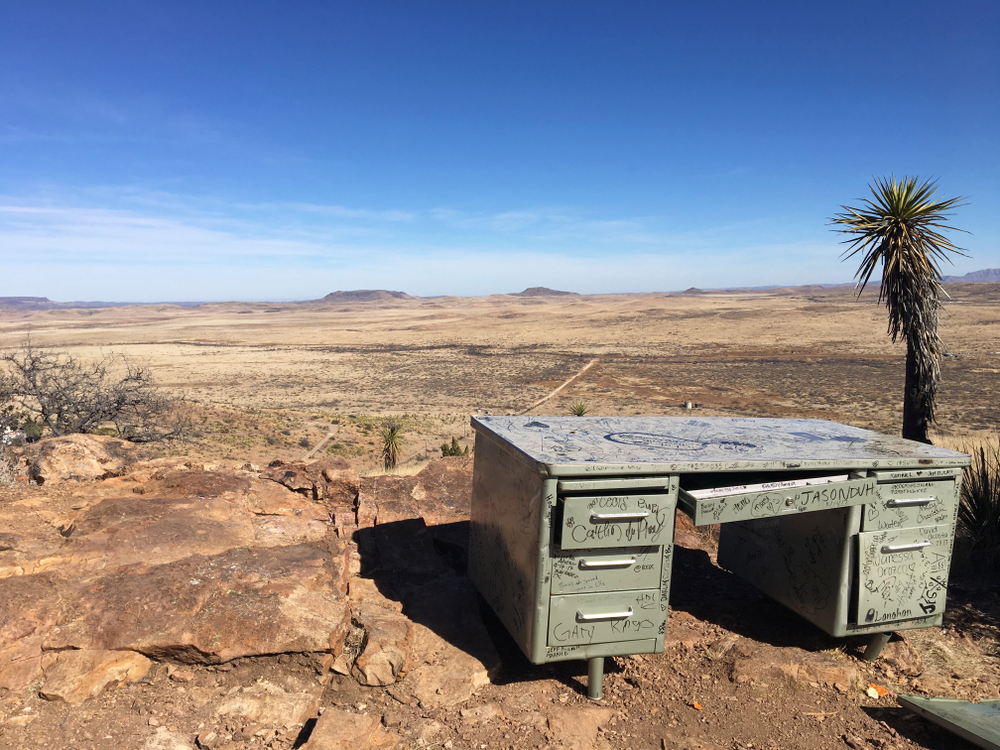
[607, 570]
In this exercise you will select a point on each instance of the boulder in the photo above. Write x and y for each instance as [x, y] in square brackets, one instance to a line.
[440, 493]
[71, 458]
[453, 654]
[388, 635]
[210, 609]
[79, 675]
[269, 498]
[337, 729]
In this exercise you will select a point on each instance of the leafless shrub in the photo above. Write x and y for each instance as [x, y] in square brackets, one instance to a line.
[70, 396]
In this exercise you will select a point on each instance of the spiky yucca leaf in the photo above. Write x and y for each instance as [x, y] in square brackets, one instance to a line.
[979, 511]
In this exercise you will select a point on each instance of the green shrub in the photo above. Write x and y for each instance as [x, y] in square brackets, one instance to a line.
[33, 428]
[453, 449]
[579, 409]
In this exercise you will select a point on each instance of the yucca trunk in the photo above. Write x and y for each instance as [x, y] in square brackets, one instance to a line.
[916, 410]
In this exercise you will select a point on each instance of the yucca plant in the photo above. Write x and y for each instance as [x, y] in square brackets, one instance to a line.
[391, 435]
[579, 409]
[899, 228]
[979, 511]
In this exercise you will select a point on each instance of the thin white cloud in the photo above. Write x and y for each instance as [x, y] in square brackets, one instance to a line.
[144, 246]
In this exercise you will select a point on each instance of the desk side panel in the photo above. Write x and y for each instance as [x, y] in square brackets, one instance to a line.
[504, 539]
[802, 561]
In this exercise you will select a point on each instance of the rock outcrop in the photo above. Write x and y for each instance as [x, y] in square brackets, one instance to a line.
[110, 564]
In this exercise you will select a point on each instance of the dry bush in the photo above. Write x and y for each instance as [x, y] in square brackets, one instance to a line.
[70, 396]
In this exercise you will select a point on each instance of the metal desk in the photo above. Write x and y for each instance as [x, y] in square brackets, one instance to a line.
[571, 538]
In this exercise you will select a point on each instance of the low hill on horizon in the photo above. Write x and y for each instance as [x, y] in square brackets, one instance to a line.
[987, 274]
[542, 291]
[27, 303]
[365, 295]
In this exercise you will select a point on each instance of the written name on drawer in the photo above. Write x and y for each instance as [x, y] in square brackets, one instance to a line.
[764, 486]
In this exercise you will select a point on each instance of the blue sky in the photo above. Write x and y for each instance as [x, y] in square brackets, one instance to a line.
[274, 151]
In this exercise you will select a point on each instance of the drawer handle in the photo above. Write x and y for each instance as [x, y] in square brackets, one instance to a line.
[618, 517]
[588, 564]
[603, 616]
[888, 549]
[909, 502]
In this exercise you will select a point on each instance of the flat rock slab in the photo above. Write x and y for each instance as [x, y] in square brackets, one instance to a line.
[270, 498]
[267, 704]
[760, 663]
[210, 609]
[79, 675]
[29, 607]
[576, 728]
[32, 524]
[151, 530]
[341, 730]
[164, 739]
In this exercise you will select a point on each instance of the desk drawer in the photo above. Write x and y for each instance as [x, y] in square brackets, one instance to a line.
[581, 619]
[770, 502]
[616, 520]
[903, 573]
[906, 505]
[607, 570]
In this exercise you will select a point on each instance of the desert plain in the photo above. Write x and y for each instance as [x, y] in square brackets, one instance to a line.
[266, 379]
[299, 382]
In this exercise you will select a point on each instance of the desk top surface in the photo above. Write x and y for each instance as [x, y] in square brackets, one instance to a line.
[574, 446]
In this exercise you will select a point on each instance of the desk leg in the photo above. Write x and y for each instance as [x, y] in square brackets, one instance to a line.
[876, 643]
[595, 678]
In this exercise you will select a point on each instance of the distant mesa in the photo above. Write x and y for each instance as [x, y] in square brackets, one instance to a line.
[25, 303]
[987, 274]
[365, 295]
[542, 291]
[693, 290]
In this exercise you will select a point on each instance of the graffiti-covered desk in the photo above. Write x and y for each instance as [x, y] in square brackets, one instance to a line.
[571, 538]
